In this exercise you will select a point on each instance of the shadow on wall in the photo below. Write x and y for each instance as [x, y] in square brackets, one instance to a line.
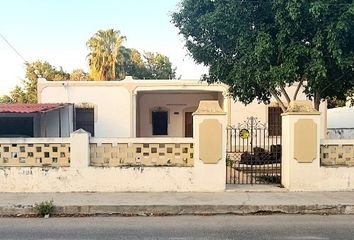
[340, 133]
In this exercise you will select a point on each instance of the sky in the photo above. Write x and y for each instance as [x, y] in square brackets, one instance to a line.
[57, 31]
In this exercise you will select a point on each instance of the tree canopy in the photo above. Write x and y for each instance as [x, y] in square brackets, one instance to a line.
[104, 48]
[109, 59]
[159, 66]
[27, 93]
[260, 47]
[144, 66]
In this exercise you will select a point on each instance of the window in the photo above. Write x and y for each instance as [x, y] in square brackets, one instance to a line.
[159, 122]
[85, 119]
[274, 121]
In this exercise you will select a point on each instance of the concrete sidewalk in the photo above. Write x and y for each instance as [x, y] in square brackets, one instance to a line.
[146, 204]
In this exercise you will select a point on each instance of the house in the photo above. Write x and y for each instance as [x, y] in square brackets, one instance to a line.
[131, 108]
[149, 108]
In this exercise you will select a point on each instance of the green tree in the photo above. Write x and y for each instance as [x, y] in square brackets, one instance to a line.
[334, 103]
[6, 99]
[79, 75]
[110, 60]
[159, 66]
[104, 53]
[19, 95]
[28, 92]
[149, 66]
[131, 64]
[260, 47]
[39, 69]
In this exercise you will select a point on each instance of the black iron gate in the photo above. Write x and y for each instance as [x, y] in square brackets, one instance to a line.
[253, 153]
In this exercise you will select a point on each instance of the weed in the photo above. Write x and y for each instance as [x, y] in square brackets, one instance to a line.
[44, 208]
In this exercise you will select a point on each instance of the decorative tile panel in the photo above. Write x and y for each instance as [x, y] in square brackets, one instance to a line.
[141, 154]
[35, 155]
[337, 155]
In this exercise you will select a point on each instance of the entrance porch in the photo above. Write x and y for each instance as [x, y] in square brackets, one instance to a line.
[168, 113]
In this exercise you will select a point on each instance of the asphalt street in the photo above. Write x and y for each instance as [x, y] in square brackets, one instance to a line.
[288, 227]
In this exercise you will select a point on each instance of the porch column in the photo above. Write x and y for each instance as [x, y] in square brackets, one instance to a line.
[301, 130]
[210, 146]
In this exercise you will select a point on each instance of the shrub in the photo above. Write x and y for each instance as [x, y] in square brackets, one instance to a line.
[44, 208]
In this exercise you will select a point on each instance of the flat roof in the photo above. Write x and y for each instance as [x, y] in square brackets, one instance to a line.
[30, 107]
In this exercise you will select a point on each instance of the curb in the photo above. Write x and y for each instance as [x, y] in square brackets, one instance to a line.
[168, 210]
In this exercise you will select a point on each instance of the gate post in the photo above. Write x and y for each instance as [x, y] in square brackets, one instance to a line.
[80, 149]
[209, 131]
[300, 146]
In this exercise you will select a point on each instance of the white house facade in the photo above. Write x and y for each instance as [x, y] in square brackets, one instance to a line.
[149, 108]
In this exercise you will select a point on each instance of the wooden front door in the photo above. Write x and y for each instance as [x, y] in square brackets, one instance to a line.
[188, 124]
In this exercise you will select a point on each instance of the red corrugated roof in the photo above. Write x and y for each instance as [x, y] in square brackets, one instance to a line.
[28, 107]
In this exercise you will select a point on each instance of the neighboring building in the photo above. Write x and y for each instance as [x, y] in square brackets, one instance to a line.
[341, 123]
[150, 108]
[36, 120]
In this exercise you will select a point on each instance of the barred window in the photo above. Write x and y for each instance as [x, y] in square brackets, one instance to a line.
[274, 121]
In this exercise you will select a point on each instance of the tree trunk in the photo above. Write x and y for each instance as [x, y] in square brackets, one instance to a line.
[283, 91]
[317, 101]
[274, 94]
[298, 88]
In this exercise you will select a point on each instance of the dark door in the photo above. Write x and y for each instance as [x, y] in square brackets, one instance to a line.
[159, 123]
[188, 124]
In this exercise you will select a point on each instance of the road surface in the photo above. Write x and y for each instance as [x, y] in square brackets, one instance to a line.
[286, 227]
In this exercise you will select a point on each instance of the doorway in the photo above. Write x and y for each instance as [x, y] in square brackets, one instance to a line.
[188, 124]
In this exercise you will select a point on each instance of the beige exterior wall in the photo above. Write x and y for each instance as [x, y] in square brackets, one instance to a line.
[34, 152]
[137, 152]
[298, 175]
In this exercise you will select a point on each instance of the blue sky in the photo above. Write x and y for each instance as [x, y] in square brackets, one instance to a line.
[56, 31]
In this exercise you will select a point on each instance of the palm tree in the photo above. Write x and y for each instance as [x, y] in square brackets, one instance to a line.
[104, 50]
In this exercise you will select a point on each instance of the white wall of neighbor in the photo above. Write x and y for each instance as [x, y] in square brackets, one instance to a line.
[175, 103]
[342, 117]
[340, 123]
